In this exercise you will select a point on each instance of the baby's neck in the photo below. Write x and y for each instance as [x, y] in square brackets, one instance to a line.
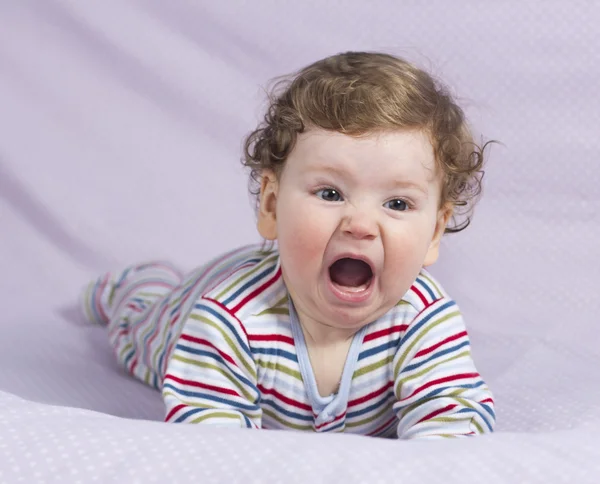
[319, 334]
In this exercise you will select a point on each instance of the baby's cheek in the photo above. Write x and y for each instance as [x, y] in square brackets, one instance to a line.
[303, 244]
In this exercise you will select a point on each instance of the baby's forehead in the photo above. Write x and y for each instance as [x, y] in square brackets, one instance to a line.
[409, 151]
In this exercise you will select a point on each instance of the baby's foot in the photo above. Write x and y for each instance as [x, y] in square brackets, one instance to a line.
[99, 298]
[96, 299]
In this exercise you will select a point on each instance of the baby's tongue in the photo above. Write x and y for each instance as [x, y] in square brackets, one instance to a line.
[350, 272]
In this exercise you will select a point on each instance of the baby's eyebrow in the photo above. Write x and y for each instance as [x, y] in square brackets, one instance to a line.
[394, 183]
[409, 184]
[334, 170]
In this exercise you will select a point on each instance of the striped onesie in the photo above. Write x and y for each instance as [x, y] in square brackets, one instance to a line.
[224, 345]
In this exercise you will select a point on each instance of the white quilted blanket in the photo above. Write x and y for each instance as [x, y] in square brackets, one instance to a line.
[120, 133]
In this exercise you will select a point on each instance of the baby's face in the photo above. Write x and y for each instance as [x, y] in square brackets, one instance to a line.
[355, 219]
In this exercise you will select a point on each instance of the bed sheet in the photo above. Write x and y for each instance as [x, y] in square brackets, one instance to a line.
[120, 138]
[43, 443]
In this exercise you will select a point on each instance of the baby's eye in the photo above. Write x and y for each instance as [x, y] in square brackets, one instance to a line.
[397, 204]
[329, 195]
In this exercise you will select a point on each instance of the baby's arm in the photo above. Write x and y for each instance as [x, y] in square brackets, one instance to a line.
[438, 390]
[211, 376]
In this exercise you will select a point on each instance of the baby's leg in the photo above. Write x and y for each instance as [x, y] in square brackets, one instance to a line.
[133, 304]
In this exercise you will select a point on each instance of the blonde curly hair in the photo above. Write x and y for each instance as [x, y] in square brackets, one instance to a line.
[358, 93]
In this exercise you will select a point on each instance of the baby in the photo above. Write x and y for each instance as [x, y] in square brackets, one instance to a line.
[361, 165]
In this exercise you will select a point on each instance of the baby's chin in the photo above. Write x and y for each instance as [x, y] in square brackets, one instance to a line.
[352, 318]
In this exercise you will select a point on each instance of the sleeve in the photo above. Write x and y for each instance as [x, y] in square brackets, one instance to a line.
[211, 376]
[439, 392]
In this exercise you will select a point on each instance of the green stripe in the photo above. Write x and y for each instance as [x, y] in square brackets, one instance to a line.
[218, 369]
[430, 281]
[234, 416]
[428, 369]
[244, 276]
[148, 294]
[373, 366]
[448, 420]
[189, 284]
[402, 302]
[232, 345]
[285, 422]
[268, 365]
[365, 421]
[275, 310]
[125, 349]
[419, 337]
[88, 304]
[162, 339]
[280, 307]
[420, 402]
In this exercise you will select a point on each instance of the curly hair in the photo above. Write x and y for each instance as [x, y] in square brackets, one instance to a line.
[358, 93]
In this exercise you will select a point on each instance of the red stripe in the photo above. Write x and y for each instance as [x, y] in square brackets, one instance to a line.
[317, 427]
[424, 351]
[154, 335]
[271, 337]
[205, 342]
[437, 412]
[283, 398]
[460, 376]
[171, 345]
[174, 410]
[371, 395]
[487, 400]
[197, 384]
[257, 291]
[228, 311]
[420, 294]
[133, 365]
[97, 299]
[385, 332]
[379, 429]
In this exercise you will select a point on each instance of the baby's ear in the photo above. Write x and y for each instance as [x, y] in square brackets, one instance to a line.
[443, 217]
[269, 188]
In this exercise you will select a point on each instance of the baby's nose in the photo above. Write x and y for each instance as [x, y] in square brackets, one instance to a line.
[360, 225]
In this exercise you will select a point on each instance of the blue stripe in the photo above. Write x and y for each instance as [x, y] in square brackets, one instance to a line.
[370, 408]
[335, 427]
[242, 344]
[93, 307]
[466, 386]
[219, 359]
[473, 410]
[489, 410]
[287, 413]
[181, 298]
[170, 335]
[189, 413]
[247, 420]
[426, 287]
[393, 425]
[380, 348]
[275, 352]
[426, 319]
[251, 282]
[128, 357]
[156, 329]
[205, 396]
[439, 354]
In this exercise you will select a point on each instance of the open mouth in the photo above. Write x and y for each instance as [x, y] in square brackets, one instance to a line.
[352, 275]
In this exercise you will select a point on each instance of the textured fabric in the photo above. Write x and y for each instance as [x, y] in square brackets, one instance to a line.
[45, 443]
[222, 344]
[120, 129]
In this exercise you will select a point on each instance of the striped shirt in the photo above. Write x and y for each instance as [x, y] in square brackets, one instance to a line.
[232, 352]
